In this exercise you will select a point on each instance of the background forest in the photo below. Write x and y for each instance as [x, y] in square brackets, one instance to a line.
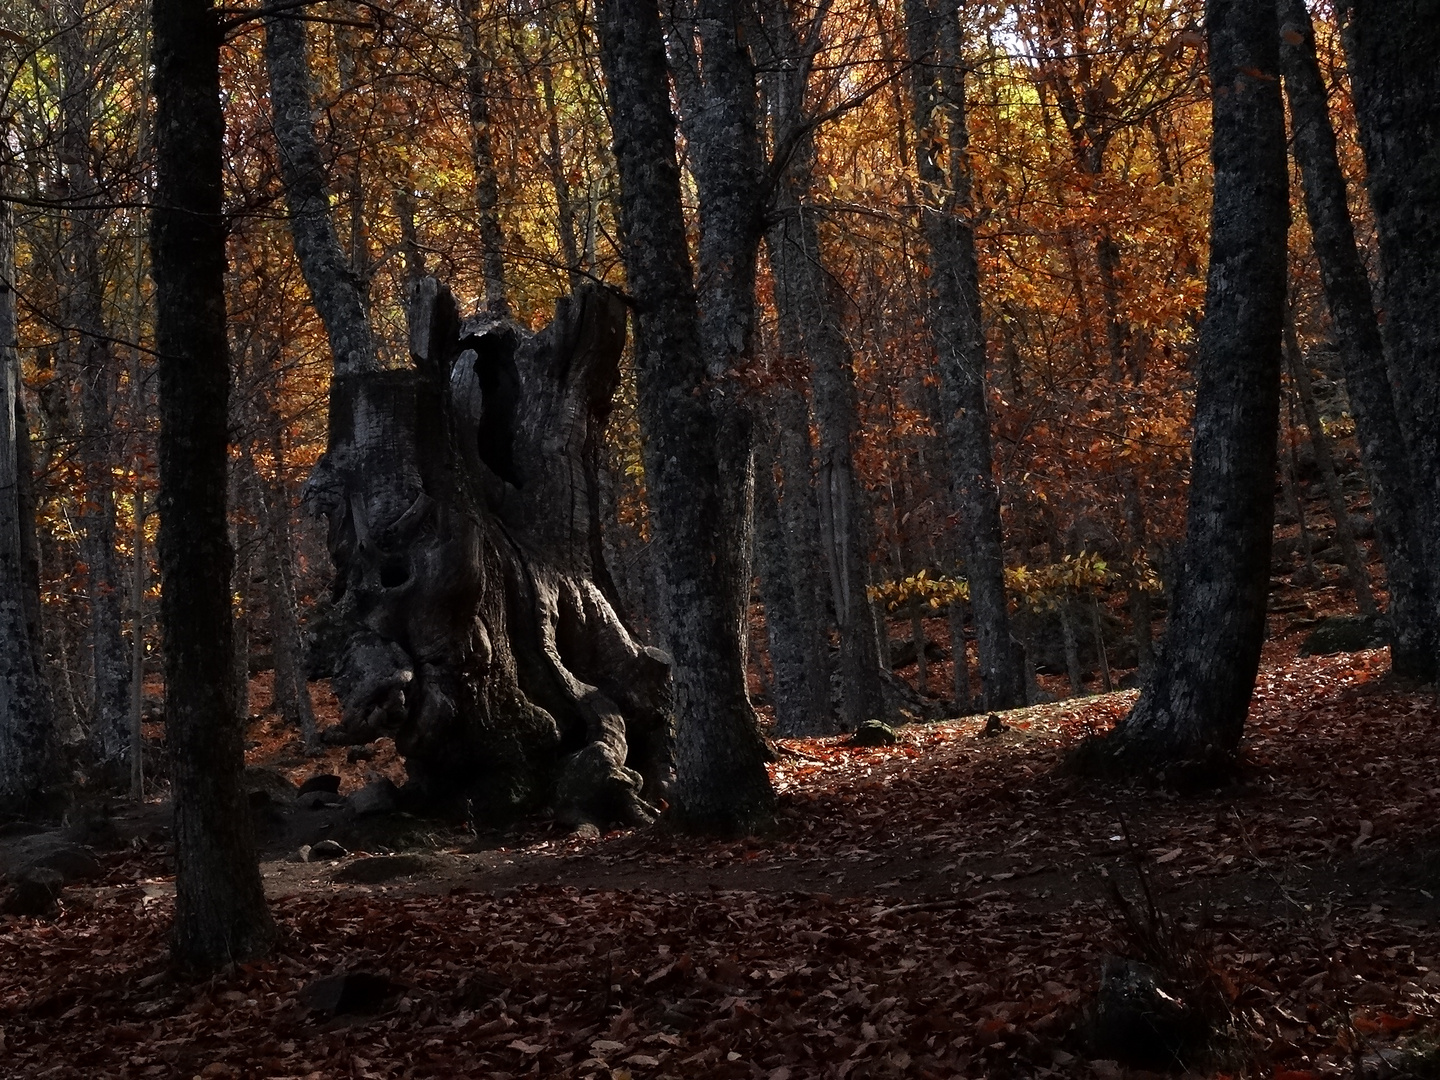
[568, 417]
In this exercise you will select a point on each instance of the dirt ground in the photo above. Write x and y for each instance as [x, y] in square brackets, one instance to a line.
[941, 907]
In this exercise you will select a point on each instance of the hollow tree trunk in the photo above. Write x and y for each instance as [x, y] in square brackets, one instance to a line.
[938, 93]
[1367, 382]
[220, 913]
[1192, 711]
[27, 735]
[721, 781]
[459, 503]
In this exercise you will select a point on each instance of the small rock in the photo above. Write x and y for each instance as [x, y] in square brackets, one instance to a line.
[321, 782]
[994, 726]
[1346, 633]
[73, 862]
[874, 733]
[586, 830]
[325, 849]
[319, 800]
[377, 868]
[271, 781]
[377, 797]
[347, 992]
[1138, 1021]
[34, 894]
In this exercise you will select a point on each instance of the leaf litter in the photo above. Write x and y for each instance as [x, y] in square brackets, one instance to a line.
[936, 908]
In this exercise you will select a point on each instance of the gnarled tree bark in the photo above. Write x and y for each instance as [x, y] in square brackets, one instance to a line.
[461, 496]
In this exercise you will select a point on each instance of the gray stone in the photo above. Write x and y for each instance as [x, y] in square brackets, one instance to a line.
[873, 733]
[325, 849]
[377, 797]
[34, 894]
[73, 862]
[319, 800]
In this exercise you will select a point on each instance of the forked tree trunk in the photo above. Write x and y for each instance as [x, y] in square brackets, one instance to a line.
[460, 497]
[721, 782]
[1192, 711]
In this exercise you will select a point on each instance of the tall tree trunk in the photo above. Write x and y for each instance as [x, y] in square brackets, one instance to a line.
[27, 732]
[938, 93]
[1192, 711]
[482, 159]
[99, 385]
[721, 781]
[1320, 444]
[783, 629]
[808, 306]
[220, 913]
[339, 295]
[1393, 490]
[800, 518]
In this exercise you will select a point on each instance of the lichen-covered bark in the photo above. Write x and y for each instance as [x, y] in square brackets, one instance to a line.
[220, 913]
[1367, 380]
[808, 306]
[938, 95]
[1391, 48]
[1193, 708]
[721, 782]
[339, 295]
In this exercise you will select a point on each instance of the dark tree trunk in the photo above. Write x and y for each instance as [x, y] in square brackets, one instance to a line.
[220, 913]
[800, 519]
[721, 782]
[1394, 389]
[1192, 710]
[938, 90]
[482, 158]
[27, 732]
[783, 630]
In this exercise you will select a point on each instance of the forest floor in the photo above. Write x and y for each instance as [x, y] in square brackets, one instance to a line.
[937, 908]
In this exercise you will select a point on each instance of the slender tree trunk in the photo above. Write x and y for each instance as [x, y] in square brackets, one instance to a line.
[809, 309]
[564, 197]
[800, 518]
[220, 913]
[1393, 489]
[721, 781]
[783, 629]
[339, 296]
[482, 158]
[139, 571]
[99, 385]
[1320, 443]
[937, 85]
[1193, 709]
[27, 733]
[1295, 498]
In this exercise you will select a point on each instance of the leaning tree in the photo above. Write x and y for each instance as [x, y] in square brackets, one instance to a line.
[480, 628]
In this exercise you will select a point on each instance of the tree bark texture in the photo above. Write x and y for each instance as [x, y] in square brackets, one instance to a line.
[721, 782]
[783, 631]
[99, 385]
[1325, 462]
[220, 913]
[338, 292]
[460, 498]
[808, 305]
[938, 98]
[1392, 50]
[1192, 710]
[27, 732]
[1367, 381]
[482, 158]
